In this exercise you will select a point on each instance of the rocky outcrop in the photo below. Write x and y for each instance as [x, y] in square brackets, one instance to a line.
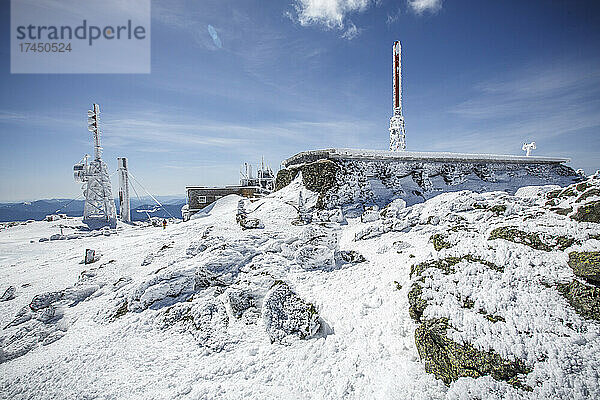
[586, 265]
[319, 176]
[588, 212]
[534, 240]
[41, 322]
[445, 358]
[439, 242]
[240, 302]
[585, 299]
[449, 360]
[9, 294]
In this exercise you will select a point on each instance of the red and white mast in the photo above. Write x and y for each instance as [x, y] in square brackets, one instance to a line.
[397, 133]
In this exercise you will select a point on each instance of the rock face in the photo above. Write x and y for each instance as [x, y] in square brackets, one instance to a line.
[345, 177]
[320, 177]
[588, 212]
[586, 265]
[585, 299]
[285, 314]
[448, 360]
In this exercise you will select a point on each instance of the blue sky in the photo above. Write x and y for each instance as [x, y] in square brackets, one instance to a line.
[274, 78]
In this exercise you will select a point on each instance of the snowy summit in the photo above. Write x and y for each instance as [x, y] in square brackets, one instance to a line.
[466, 295]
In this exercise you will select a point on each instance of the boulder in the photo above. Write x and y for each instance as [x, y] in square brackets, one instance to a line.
[534, 240]
[315, 257]
[349, 256]
[586, 265]
[286, 315]
[416, 303]
[439, 242]
[240, 301]
[206, 320]
[589, 212]
[585, 299]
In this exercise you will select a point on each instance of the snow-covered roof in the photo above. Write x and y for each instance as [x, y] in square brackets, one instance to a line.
[313, 155]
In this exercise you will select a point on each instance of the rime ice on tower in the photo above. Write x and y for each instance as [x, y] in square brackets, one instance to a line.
[99, 210]
[397, 137]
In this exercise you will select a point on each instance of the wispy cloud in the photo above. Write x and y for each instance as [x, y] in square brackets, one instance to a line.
[158, 131]
[351, 32]
[215, 36]
[549, 103]
[393, 18]
[423, 6]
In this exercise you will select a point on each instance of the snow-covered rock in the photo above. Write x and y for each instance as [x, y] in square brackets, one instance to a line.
[285, 314]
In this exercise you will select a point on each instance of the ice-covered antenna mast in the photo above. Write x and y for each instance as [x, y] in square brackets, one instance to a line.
[94, 127]
[99, 209]
[397, 133]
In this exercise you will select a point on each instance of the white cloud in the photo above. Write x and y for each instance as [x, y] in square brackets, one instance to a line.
[422, 6]
[330, 13]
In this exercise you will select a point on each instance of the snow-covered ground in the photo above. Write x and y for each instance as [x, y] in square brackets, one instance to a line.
[206, 309]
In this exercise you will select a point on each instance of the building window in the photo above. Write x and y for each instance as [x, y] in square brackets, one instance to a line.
[201, 199]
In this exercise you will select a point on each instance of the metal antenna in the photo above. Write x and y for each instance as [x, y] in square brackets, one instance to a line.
[397, 132]
[99, 210]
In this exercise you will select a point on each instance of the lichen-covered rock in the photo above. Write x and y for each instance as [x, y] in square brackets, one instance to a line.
[119, 311]
[585, 195]
[416, 303]
[586, 265]
[439, 242]
[585, 299]
[285, 314]
[318, 176]
[449, 360]
[498, 209]
[446, 265]
[532, 240]
[589, 212]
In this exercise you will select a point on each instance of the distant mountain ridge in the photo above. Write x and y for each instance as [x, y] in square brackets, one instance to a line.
[38, 209]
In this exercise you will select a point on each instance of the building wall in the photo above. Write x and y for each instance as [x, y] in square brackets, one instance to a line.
[344, 182]
[210, 195]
